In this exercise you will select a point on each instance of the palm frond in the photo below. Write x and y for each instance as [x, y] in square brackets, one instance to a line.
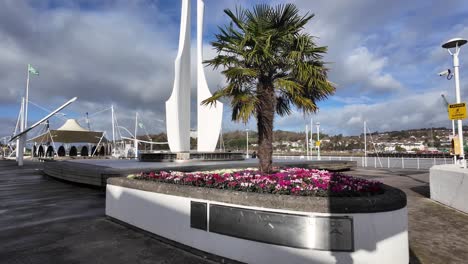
[289, 86]
[237, 18]
[283, 106]
[236, 73]
[266, 44]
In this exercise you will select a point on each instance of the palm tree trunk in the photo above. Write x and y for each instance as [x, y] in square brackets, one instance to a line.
[265, 117]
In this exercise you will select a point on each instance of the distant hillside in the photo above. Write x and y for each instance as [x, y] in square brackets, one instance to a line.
[295, 141]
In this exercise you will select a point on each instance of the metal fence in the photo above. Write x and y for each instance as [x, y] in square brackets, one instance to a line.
[380, 162]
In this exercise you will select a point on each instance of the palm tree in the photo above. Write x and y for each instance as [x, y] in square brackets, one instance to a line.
[271, 65]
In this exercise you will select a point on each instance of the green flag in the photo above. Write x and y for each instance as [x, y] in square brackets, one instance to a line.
[32, 70]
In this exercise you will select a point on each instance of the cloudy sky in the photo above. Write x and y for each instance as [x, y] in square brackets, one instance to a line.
[384, 57]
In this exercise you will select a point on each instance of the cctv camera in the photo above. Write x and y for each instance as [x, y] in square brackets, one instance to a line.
[445, 73]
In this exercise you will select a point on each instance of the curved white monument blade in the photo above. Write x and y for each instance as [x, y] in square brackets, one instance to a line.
[209, 117]
[178, 105]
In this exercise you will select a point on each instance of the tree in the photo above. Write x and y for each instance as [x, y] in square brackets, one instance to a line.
[270, 65]
[399, 148]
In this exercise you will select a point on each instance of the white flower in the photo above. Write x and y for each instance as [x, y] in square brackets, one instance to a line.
[246, 184]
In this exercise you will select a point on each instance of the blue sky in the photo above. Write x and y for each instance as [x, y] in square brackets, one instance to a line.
[384, 57]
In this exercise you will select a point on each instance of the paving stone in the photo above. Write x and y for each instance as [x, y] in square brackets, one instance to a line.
[437, 233]
[43, 220]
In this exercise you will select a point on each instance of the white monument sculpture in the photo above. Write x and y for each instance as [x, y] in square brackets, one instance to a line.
[210, 117]
[178, 105]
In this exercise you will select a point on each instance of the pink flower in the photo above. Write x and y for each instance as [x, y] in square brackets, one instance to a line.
[295, 181]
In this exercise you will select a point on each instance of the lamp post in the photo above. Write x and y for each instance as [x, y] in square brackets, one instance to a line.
[453, 48]
[453, 124]
[135, 141]
[307, 140]
[318, 140]
[113, 128]
[247, 145]
[311, 145]
[365, 144]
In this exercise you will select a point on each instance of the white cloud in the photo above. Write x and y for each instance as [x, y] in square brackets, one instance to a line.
[414, 111]
[123, 53]
[364, 68]
[351, 100]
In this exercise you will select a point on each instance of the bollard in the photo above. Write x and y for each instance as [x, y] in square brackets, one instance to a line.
[402, 162]
[418, 162]
[375, 162]
[388, 162]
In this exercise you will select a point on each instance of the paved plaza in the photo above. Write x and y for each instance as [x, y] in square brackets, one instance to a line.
[48, 221]
[437, 233]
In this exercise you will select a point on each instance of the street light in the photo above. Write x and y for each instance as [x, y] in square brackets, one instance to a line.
[247, 145]
[453, 48]
[453, 123]
[307, 139]
[318, 140]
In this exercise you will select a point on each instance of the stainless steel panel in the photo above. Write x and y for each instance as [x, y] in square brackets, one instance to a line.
[299, 231]
[268, 227]
[198, 215]
[334, 233]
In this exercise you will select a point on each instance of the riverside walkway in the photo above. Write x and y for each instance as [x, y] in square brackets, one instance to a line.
[43, 220]
[437, 233]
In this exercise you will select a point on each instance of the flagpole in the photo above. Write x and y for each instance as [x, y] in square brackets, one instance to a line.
[20, 141]
[365, 144]
[312, 143]
[113, 130]
[307, 141]
[21, 126]
[135, 142]
[26, 101]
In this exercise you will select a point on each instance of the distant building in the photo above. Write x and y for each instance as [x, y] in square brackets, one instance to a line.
[391, 147]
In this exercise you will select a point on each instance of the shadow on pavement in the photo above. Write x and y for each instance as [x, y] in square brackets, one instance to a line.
[413, 258]
[422, 190]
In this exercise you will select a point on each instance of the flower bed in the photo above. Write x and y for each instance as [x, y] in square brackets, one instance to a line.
[289, 181]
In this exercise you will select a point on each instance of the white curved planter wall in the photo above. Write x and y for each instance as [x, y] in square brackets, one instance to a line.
[378, 237]
[209, 117]
[178, 105]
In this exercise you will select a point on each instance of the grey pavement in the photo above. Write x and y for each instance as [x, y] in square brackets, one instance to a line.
[372, 162]
[43, 220]
[131, 164]
[437, 233]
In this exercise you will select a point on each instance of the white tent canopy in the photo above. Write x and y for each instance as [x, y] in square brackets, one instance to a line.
[72, 125]
[70, 132]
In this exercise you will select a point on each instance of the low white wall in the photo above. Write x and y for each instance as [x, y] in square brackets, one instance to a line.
[449, 185]
[378, 237]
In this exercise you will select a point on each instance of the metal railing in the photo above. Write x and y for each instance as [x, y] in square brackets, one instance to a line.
[380, 162]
